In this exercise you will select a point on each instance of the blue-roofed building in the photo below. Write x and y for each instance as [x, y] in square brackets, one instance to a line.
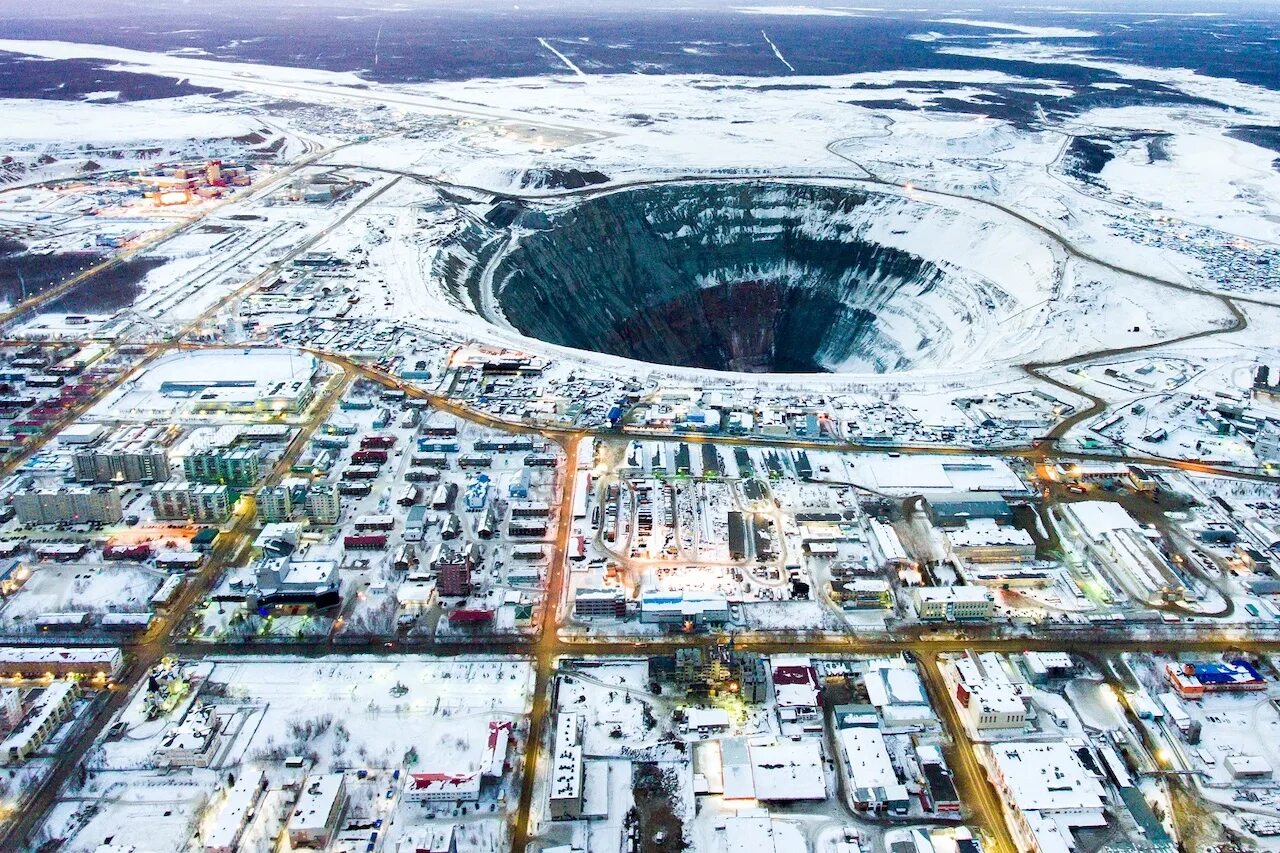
[1193, 680]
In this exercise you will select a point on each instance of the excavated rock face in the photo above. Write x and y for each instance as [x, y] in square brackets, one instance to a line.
[754, 277]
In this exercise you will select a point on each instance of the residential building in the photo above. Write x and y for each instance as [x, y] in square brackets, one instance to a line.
[129, 455]
[566, 768]
[236, 812]
[274, 504]
[324, 504]
[49, 709]
[318, 809]
[58, 661]
[76, 505]
[454, 571]
[239, 467]
[10, 706]
[183, 501]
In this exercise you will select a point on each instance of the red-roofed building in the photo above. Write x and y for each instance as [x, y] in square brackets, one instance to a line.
[797, 694]
[442, 788]
[493, 763]
[470, 617]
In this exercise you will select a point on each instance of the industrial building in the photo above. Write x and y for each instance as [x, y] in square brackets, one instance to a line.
[982, 540]
[873, 783]
[954, 509]
[1117, 540]
[75, 505]
[1193, 680]
[760, 833]
[887, 546]
[245, 396]
[183, 501]
[953, 603]
[1049, 793]
[788, 770]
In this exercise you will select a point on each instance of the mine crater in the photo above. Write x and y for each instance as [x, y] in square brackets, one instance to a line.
[763, 277]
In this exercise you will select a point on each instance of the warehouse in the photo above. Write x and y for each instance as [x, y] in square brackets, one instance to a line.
[874, 784]
[1049, 792]
[954, 509]
[982, 540]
